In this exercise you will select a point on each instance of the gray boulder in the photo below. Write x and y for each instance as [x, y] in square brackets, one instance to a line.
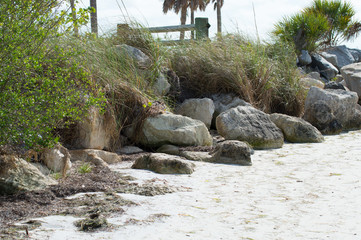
[174, 129]
[356, 53]
[164, 164]
[352, 76]
[296, 130]
[161, 85]
[137, 55]
[334, 85]
[330, 110]
[89, 154]
[232, 152]
[307, 83]
[223, 102]
[304, 58]
[250, 125]
[196, 108]
[17, 175]
[326, 69]
[339, 56]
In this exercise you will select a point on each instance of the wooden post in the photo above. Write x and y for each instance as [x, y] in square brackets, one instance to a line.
[202, 27]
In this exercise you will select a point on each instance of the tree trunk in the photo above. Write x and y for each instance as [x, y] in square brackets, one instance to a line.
[219, 17]
[183, 20]
[93, 17]
[73, 13]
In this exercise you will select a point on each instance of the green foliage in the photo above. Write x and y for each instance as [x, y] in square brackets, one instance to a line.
[303, 29]
[85, 168]
[262, 74]
[324, 23]
[41, 87]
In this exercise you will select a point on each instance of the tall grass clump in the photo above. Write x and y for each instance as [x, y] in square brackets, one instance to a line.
[128, 86]
[262, 74]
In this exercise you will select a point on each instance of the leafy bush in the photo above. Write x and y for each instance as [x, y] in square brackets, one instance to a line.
[304, 29]
[324, 23]
[262, 74]
[41, 87]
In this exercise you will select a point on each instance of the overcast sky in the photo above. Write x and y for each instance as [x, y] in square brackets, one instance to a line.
[237, 15]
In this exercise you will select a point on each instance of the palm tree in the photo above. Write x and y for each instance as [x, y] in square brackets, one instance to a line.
[340, 17]
[182, 6]
[218, 4]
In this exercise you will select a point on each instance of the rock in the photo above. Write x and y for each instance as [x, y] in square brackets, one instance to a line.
[164, 164]
[137, 55]
[338, 56]
[57, 159]
[250, 125]
[304, 58]
[356, 53]
[330, 110]
[307, 83]
[314, 75]
[232, 152]
[334, 85]
[17, 175]
[96, 131]
[161, 86]
[85, 154]
[223, 102]
[326, 69]
[130, 150]
[169, 149]
[352, 76]
[296, 130]
[197, 156]
[196, 108]
[174, 129]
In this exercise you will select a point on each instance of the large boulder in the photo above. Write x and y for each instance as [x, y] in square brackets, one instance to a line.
[161, 85]
[326, 69]
[331, 110]
[232, 152]
[57, 159]
[164, 164]
[86, 154]
[96, 131]
[223, 102]
[307, 83]
[174, 129]
[137, 55]
[304, 58]
[356, 53]
[352, 76]
[196, 108]
[17, 175]
[339, 56]
[296, 130]
[251, 125]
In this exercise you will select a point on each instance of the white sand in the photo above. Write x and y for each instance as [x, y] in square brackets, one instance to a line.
[302, 191]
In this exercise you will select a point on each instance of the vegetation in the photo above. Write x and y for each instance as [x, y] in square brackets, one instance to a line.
[325, 23]
[41, 87]
[262, 74]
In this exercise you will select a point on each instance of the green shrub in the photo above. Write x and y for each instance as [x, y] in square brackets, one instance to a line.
[304, 29]
[41, 87]
[323, 24]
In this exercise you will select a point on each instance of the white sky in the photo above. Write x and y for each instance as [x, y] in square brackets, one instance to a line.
[236, 15]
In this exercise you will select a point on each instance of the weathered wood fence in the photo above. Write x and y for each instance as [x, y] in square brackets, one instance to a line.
[201, 27]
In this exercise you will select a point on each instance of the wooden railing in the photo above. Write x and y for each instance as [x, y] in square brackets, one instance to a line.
[201, 27]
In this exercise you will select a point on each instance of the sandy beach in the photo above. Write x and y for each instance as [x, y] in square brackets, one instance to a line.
[301, 191]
